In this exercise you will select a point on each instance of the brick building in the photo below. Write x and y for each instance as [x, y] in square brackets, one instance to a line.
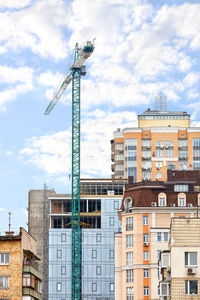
[179, 267]
[19, 277]
[145, 214]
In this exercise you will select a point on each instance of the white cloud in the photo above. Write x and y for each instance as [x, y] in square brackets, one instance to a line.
[53, 153]
[38, 27]
[17, 80]
[9, 153]
[14, 3]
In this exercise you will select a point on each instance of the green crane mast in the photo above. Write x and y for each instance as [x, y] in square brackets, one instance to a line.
[76, 71]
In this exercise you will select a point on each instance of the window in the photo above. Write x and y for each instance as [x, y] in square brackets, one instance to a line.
[159, 153]
[59, 253]
[166, 236]
[94, 253]
[191, 287]
[180, 188]
[98, 237]
[129, 240]
[129, 292]
[129, 258]
[111, 221]
[82, 270]
[162, 201]
[145, 238]
[94, 287]
[165, 259]
[146, 273]
[158, 254]
[158, 164]
[119, 147]
[59, 286]
[169, 153]
[129, 276]
[119, 157]
[159, 236]
[158, 175]
[63, 270]
[116, 205]
[146, 255]
[4, 282]
[181, 201]
[190, 259]
[145, 220]
[4, 259]
[119, 167]
[98, 270]
[111, 287]
[146, 291]
[63, 237]
[129, 223]
[111, 253]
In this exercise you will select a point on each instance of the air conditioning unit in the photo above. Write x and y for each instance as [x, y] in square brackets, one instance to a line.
[190, 205]
[191, 271]
[153, 204]
[146, 244]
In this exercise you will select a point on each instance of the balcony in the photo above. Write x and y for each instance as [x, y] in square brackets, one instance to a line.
[30, 292]
[32, 270]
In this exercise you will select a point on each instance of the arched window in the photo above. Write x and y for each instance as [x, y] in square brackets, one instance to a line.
[181, 199]
[162, 199]
[128, 204]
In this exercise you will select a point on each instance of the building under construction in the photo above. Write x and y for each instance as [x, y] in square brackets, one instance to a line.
[50, 223]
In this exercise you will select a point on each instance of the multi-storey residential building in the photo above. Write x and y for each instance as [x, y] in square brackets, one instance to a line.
[19, 275]
[179, 267]
[163, 140]
[99, 202]
[145, 214]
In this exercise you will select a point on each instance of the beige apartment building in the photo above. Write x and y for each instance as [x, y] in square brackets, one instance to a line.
[19, 275]
[146, 212]
[179, 268]
[163, 140]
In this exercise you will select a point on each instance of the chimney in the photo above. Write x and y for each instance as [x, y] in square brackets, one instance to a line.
[130, 179]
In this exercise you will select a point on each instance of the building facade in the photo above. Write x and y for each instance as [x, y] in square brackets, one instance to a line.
[163, 140]
[99, 202]
[19, 275]
[145, 215]
[179, 267]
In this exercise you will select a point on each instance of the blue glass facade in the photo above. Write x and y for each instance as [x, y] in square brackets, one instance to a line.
[97, 253]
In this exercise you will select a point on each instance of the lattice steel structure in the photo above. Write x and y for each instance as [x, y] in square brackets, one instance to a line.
[77, 69]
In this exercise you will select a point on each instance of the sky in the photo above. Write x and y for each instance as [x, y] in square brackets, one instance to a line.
[141, 48]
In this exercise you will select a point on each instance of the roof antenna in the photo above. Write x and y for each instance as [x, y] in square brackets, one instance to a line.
[9, 221]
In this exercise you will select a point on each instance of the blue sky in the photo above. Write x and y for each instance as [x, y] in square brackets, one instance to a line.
[141, 48]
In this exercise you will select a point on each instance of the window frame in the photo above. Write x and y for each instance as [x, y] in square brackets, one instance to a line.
[159, 236]
[129, 275]
[129, 223]
[146, 273]
[187, 287]
[146, 253]
[146, 290]
[188, 259]
[129, 240]
[145, 220]
[4, 261]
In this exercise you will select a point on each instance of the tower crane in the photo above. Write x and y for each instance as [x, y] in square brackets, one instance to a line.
[81, 54]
